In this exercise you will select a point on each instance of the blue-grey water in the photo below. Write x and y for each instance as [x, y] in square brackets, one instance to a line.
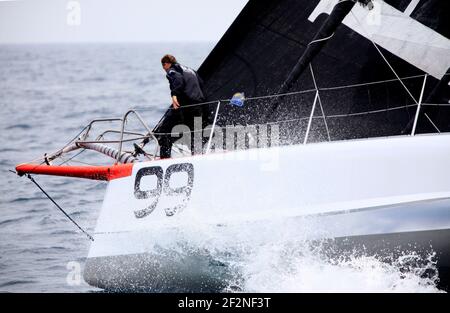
[47, 94]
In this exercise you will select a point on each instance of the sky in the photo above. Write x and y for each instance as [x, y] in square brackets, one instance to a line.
[65, 21]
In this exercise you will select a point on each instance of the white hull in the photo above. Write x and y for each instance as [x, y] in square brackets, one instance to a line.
[395, 185]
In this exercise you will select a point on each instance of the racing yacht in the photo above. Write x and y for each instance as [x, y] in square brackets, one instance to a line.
[343, 134]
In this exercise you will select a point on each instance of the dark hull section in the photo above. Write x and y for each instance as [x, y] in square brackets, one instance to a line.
[392, 246]
[199, 271]
[413, 236]
[160, 272]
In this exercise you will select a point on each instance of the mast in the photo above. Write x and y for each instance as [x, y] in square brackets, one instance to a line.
[340, 11]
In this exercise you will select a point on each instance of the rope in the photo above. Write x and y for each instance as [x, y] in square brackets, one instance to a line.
[437, 104]
[77, 161]
[304, 91]
[57, 151]
[321, 39]
[300, 91]
[306, 118]
[342, 115]
[371, 112]
[432, 123]
[178, 133]
[195, 104]
[71, 158]
[115, 141]
[57, 205]
[371, 83]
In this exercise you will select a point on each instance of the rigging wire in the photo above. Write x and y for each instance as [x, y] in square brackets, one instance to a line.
[59, 207]
[320, 102]
[384, 58]
[306, 118]
[392, 69]
[71, 158]
[426, 115]
[302, 91]
[78, 161]
[344, 115]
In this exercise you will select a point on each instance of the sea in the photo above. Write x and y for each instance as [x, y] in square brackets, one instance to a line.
[48, 93]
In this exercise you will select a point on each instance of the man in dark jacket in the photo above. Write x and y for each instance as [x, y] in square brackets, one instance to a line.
[186, 88]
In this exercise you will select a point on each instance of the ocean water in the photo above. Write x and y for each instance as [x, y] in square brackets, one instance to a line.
[47, 94]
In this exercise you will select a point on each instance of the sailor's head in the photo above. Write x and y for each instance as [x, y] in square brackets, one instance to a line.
[167, 61]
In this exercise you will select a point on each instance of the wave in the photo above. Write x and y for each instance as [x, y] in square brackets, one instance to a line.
[44, 250]
[19, 126]
[16, 282]
[63, 232]
[14, 220]
[295, 268]
[24, 199]
[280, 257]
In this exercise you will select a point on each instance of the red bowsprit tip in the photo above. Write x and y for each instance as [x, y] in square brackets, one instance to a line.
[90, 172]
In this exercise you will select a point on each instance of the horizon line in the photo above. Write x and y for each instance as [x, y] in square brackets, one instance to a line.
[107, 42]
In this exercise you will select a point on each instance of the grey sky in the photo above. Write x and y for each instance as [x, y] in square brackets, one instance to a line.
[35, 21]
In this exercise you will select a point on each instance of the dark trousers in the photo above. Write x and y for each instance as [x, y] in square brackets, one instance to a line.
[172, 118]
[164, 131]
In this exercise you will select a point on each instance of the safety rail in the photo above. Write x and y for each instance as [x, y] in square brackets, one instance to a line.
[82, 137]
[150, 133]
[99, 137]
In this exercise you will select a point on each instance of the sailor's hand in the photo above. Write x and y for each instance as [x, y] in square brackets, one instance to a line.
[175, 103]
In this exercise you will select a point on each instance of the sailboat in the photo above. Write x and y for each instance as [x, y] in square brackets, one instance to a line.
[342, 122]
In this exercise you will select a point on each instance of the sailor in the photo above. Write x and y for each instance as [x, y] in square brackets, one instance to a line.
[186, 89]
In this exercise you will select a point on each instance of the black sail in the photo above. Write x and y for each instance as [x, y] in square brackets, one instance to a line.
[282, 46]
